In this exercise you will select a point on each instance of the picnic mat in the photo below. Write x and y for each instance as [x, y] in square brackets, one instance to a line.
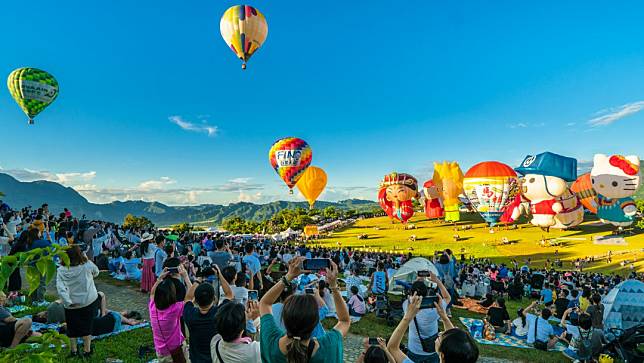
[18, 308]
[40, 326]
[506, 340]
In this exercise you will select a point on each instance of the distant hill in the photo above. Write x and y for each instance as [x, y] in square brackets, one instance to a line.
[19, 194]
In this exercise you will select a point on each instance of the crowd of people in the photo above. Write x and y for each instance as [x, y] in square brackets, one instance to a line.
[220, 298]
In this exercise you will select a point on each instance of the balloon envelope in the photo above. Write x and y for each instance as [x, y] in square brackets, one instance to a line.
[583, 188]
[312, 183]
[290, 157]
[244, 29]
[491, 186]
[33, 90]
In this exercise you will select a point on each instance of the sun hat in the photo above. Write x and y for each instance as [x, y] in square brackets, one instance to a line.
[146, 237]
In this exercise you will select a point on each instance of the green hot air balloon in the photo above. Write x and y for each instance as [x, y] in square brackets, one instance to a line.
[32, 89]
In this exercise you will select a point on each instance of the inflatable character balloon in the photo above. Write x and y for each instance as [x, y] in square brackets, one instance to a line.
[583, 188]
[396, 194]
[615, 179]
[433, 202]
[544, 181]
[572, 213]
[448, 178]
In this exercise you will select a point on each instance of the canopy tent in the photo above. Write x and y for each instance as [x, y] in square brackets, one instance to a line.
[408, 273]
[624, 305]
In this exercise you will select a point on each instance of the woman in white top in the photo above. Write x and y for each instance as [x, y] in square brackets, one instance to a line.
[520, 325]
[229, 346]
[75, 285]
[148, 250]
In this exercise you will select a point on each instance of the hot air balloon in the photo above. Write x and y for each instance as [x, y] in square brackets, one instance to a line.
[396, 193]
[448, 178]
[491, 186]
[583, 188]
[33, 90]
[433, 201]
[290, 157]
[312, 183]
[244, 29]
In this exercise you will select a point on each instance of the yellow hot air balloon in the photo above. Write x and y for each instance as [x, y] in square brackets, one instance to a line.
[312, 183]
[244, 29]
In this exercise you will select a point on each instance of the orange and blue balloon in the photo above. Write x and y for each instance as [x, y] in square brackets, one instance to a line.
[491, 186]
[290, 157]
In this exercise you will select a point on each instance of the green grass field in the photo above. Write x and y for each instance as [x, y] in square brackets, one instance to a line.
[480, 243]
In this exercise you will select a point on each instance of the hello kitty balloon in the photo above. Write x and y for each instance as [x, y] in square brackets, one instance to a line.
[616, 178]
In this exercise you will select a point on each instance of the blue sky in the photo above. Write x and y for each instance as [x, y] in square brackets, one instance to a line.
[373, 88]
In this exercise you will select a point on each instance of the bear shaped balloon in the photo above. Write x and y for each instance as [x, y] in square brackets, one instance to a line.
[615, 179]
[544, 182]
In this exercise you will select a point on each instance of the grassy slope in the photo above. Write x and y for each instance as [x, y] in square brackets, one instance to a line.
[478, 241]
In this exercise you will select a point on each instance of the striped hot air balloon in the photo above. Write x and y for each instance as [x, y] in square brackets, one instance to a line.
[583, 188]
[290, 157]
[491, 186]
[244, 29]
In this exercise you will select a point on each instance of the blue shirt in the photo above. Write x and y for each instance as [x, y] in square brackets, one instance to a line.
[41, 243]
[547, 295]
[544, 329]
[379, 283]
[252, 263]
[159, 258]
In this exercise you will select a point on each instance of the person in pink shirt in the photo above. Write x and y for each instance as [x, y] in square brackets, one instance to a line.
[356, 303]
[165, 318]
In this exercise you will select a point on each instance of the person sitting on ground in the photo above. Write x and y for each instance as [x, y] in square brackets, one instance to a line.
[165, 318]
[55, 313]
[424, 325]
[231, 345]
[520, 325]
[13, 331]
[561, 304]
[453, 345]
[546, 294]
[356, 304]
[375, 353]
[499, 317]
[131, 266]
[300, 316]
[378, 283]
[539, 329]
[113, 321]
[585, 342]
[199, 313]
[487, 301]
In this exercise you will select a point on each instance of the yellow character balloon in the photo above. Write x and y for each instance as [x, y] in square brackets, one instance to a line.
[312, 183]
[448, 178]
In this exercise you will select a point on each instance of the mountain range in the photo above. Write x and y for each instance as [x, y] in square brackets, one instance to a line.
[20, 194]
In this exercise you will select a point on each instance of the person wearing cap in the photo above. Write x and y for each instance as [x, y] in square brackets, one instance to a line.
[148, 251]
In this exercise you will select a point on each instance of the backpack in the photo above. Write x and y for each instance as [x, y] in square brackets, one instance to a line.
[585, 346]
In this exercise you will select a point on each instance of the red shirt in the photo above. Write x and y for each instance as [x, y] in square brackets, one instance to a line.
[543, 207]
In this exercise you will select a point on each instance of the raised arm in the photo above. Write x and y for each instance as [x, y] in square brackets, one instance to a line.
[444, 293]
[228, 292]
[447, 324]
[393, 346]
[529, 307]
[267, 301]
[341, 309]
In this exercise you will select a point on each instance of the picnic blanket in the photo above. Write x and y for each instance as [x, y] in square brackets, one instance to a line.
[506, 340]
[471, 305]
[55, 326]
[18, 308]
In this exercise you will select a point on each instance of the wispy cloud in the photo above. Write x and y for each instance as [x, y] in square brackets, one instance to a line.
[525, 125]
[202, 127]
[62, 178]
[239, 185]
[608, 116]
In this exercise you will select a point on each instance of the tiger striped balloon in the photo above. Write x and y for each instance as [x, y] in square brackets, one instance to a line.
[290, 157]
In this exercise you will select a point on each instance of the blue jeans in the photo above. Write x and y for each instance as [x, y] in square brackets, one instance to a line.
[418, 358]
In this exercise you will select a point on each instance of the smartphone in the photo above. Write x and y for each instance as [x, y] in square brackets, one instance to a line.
[373, 341]
[423, 273]
[309, 291]
[315, 264]
[173, 270]
[428, 302]
[253, 295]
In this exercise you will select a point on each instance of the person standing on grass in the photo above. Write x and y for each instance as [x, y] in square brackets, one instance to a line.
[148, 249]
[452, 345]
[75, 286]
[300, 317]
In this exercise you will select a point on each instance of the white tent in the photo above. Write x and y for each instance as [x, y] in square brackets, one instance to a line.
[408, 273]
[624, 305]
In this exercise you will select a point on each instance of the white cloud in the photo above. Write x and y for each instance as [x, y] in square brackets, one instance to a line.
[156, 184]
[239, 184]
[525, 125]
[28, 175]
[608, 116]
[203, 127]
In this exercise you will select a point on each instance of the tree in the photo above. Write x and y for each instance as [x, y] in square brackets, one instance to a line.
[132, 221]
[640, 208]
[182, 228]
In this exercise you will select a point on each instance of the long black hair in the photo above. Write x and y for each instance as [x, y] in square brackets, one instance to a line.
[300, 316]
[523, 321]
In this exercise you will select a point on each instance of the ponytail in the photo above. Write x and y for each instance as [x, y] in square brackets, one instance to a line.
[296, 351]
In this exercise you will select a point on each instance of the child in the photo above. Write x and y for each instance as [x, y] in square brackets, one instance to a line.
[356, 304]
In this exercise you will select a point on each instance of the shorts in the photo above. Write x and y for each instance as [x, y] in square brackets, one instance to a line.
[117, 320]
[7, 331]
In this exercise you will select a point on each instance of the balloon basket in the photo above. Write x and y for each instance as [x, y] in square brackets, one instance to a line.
[290, 191]
[243, 65]
[30, 122]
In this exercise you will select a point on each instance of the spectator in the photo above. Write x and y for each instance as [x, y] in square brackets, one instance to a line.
[222, 256]
[452, 346]
[131, 266]
[378, 283]
[499, 317]
[75, 286]
[160, 255]
[300, 316]
[540, 332]
[561, 304]
[148, 251]
[584, 299]
[520, 324]
[234, 279]
[424, 326]
[165, 319]
[181, 281]
[199, 313]
[327, 298]
[377, 353]
[230, 345]
[254, 267]
[356, 303]
[12, 331]
[546, 294]
[585, 341]
[596, 312]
